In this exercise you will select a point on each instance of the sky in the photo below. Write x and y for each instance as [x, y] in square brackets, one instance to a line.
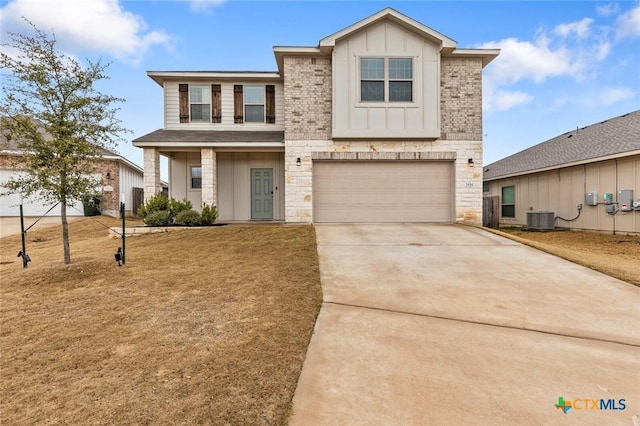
[563, 65]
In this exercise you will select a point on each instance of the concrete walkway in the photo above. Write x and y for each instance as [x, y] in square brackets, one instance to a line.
[446, 324]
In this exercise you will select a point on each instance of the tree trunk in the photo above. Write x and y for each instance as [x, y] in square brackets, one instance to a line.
[65, 232]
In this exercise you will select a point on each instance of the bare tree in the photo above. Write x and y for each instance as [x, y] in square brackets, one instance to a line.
[54, 115]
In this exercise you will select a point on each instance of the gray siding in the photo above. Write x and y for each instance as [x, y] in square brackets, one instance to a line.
[561, 190]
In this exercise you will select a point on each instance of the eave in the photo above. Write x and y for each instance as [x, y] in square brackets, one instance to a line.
[563, 166]
[161, 76]
[281, 51]
[487, 55]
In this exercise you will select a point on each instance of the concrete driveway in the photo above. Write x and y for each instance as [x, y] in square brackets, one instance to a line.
[447, 324]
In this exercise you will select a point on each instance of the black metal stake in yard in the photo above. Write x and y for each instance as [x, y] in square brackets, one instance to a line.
[123, 230]
[23, 253]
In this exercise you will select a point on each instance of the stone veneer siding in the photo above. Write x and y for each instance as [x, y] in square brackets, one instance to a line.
[209, 180]
[305, 133]
[152, 184]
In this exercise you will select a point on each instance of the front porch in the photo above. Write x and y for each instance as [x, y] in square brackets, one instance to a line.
[244, 185]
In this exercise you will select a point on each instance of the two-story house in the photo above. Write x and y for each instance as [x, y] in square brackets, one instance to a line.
[381, 122]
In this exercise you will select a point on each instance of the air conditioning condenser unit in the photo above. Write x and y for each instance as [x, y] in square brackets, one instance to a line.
[540, 221]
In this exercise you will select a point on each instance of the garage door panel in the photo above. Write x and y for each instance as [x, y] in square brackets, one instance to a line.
[32, 206]
[382, 191]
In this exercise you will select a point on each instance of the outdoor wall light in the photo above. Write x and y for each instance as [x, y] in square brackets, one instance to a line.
[470, 162]
[108, 175]
[298, 162]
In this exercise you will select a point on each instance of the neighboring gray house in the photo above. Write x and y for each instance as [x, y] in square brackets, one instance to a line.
[380, 122]
[597, 166]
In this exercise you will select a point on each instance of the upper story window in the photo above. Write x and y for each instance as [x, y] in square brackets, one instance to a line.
[200, 103]
[386, 80]
[254, 104]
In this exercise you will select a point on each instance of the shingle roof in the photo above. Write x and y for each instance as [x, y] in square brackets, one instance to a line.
[11, 145]
[610, 137]
[208, 136]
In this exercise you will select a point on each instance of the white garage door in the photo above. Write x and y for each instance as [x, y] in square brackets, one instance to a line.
[10, 204]
[378, 191]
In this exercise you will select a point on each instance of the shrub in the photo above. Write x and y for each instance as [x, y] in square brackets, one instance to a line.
[177, 207]
[154, 204]
[188, 218]
[158, 218]
[209, 214]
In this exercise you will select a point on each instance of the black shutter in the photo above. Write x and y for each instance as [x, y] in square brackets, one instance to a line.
[238, 107]
[183, 90]
[216, 101]
[271, 103]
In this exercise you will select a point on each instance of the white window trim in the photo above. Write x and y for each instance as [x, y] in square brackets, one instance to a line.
[190, 177]
[207, 89]
[385, 103]
[263, 104]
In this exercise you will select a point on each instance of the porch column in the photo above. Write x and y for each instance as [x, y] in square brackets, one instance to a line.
[209, 176]
[151, 172]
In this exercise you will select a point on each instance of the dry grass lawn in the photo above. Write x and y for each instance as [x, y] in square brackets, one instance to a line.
[614, 255]
[202, 326]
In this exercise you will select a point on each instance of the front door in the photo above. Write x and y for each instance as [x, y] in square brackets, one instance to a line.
[261, 193]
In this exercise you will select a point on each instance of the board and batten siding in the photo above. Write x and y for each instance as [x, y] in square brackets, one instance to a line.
[172, 108]
[561, 190]
[129, 179]
[234, 183]
[180, 178]
[419, 118]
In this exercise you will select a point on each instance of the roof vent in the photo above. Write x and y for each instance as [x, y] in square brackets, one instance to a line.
[540, 221]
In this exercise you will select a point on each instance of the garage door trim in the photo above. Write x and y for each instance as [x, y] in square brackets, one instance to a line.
[384, 156]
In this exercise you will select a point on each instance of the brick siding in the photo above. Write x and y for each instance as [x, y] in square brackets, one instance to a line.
[307, 91]
[461, 99]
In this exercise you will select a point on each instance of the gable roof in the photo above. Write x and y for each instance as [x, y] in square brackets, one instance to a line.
[397, 17]
[448, 46]
[616, 137]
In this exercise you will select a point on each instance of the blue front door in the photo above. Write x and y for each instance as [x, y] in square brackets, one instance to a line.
[261, 193]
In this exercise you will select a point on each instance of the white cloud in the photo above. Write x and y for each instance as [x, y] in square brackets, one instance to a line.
[580, 28]
[602, 51]
[96, 25]
[628, 24]
[613, 95]
[503, 100]
[534, 60]
[570, 50]
[608, 9]
[205, 5]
